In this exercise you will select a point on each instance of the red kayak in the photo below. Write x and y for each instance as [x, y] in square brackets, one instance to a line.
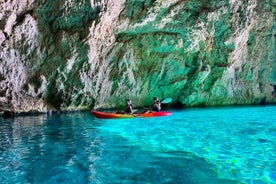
[108, 115]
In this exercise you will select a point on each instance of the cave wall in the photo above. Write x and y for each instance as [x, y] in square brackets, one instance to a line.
[69, 54]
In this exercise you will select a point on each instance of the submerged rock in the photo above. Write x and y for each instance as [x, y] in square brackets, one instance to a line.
[67, 55]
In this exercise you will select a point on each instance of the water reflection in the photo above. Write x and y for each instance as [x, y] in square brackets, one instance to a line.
[15, 130]
[51, 149]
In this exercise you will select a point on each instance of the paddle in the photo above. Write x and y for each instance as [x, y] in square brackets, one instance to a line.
[166, 100]
[163, 101]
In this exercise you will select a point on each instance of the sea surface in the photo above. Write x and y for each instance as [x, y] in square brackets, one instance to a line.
[227, 145]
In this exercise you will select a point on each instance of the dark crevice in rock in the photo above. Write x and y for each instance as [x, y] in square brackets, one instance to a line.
[178, 105]
[263, 101]
[1, 75]
[53, 96]
[3, 23]
[274, 92]
[137, 10]
[4, 19]
[7, 114]
[6, 35]
[222, 65]
[127, 36]
[20, 18]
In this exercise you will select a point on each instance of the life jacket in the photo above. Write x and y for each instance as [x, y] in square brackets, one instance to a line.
[156, 106]
[129, 108]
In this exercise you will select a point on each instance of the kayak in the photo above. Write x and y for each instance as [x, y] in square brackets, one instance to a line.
[108, 115]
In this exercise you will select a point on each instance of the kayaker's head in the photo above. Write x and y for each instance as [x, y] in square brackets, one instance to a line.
[128, 101]
[155, 99]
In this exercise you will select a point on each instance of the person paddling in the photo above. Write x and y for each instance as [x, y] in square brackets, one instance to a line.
[129, 107]
[156, 106]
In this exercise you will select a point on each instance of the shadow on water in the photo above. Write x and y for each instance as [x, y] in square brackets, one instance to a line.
[180, 167]
[126, 162]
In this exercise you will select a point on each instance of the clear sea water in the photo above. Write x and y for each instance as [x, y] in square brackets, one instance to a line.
[226, 145]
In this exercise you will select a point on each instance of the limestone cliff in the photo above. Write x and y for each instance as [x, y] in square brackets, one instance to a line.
[79, 54]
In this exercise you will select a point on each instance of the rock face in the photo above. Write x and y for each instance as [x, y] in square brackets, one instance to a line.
[80, 54]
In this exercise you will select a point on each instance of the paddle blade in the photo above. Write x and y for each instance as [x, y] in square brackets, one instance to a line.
[166, 100]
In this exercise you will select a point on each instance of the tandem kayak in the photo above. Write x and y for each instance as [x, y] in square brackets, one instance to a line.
[108, 115]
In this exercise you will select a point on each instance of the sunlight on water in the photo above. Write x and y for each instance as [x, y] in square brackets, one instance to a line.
[240, 142]
[212, 145]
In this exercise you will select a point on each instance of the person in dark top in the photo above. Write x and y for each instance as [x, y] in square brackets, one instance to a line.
[156, 106]
[129, 107]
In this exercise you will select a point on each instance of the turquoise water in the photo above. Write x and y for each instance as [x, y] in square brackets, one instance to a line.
[194, 146]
